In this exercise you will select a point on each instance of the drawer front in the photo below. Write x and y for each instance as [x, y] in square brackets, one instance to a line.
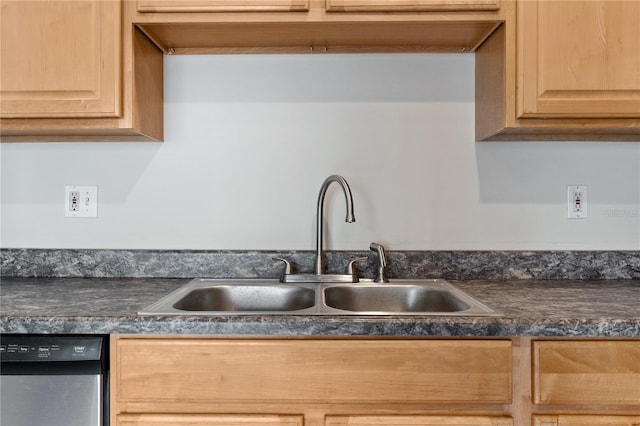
[222, 5]
[313, 371]
[208, 419]
[590, 420]
[418, 421]
[410, 5]
[586, 372]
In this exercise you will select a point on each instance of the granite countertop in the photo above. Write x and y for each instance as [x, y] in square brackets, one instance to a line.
[530, 307]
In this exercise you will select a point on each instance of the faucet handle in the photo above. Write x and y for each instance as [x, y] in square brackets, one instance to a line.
[287, 266]
[382, 262]
[351, 270]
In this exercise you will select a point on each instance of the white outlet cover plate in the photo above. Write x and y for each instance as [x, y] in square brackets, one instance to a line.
[88, 203]
[573, 211]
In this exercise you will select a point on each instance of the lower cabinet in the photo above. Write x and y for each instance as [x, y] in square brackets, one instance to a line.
[216, 381]
[586, 372]
[521, 381]
[586, 382]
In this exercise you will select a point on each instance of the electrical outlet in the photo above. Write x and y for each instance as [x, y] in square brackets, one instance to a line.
[577, 201]
[74, 201]
[81, 201]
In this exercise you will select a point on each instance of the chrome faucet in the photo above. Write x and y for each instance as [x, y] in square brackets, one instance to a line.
[350, 275]
[320, 216]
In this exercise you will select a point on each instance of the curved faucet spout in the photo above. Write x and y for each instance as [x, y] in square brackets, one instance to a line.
[320, 215]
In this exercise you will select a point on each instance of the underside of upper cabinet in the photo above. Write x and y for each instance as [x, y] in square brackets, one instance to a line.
[317, 26]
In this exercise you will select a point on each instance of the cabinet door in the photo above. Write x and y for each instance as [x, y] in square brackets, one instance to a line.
[222, 5]
[60, 59]
[586, 372]
[418, 421]
[409, 5]
[591, 420]
[208, 419]
[579, 58]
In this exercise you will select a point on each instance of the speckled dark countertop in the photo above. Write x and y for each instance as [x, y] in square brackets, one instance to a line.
[531, 307]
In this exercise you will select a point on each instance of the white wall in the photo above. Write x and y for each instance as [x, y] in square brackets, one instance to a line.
[249, 140]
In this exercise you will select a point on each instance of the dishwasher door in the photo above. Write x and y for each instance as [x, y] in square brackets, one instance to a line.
[53, 381]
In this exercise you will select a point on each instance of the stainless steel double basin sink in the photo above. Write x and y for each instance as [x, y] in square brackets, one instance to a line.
[268, 297]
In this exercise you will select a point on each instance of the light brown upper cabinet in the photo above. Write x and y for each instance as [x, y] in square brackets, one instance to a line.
[579, 59]
[409, 5]
[561, 70]
[77, 70]
[222, 5]
[60, 59]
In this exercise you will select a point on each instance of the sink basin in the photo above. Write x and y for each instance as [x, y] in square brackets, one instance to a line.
[247, 298]
[235, 296]
[270, 297]
[393, 298]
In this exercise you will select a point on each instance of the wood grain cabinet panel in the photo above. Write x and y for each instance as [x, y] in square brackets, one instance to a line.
[579, 58]
[585, 420]
[586, 372]
[78, 71]
[208, 420]
[418, 421]
[222, 5]
[60, 59]
[410, 5]
[312, 371]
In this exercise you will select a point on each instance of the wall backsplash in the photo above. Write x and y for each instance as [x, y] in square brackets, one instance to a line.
[247, 264]
[250, 139]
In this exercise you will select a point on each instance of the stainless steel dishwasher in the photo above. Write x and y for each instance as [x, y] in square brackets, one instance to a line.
[54, 380]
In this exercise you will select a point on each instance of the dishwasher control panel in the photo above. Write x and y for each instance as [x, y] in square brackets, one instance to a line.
[48, 348]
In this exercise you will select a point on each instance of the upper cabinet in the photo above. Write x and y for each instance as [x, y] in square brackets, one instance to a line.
[545, 69]
[409, 5]
[579, 59]
[222, 5]
[77, 70]
[561, 70]
[60, 59]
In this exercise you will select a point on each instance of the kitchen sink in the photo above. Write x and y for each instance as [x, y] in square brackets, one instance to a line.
[270, 297]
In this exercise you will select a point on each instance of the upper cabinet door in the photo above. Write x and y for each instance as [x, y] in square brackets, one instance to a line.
[60, 59]
[579, 58]
[410, 5]
[222, 5]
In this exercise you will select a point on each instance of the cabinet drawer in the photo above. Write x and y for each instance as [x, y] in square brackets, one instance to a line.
[222, 5]
[418, 421]
[591, 420]
[208, 419]
[586, 372]
[314, 371]
[410, 5]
